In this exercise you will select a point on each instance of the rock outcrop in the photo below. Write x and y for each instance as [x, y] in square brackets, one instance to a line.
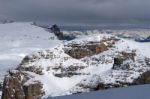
[122, 57]
[56, 30]
[15, 87]
[143, 79]
[78, 51]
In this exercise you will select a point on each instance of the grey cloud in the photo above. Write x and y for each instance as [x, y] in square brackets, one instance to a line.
[75, 11]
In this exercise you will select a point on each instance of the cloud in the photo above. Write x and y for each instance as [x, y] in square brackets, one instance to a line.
[75, 11]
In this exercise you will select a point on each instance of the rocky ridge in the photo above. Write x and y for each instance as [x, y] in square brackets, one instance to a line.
[81, 65]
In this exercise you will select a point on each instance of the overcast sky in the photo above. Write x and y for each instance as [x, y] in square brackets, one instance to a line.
[76, 11]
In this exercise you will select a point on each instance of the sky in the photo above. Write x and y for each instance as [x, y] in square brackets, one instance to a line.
[76, 11]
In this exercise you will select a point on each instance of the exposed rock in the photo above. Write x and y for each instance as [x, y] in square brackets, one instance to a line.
[121, 58]
[1, 86]
[31, 69]
[79, 51]
[143, 79]
[68, 72]
[14, 87]
[33, 91]
[55, 29]
[94, 85]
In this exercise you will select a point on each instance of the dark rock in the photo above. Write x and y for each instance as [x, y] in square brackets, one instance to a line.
[33, 91]
[143, 79]
[14, 87]
[68, 72]
[118, 61]
[123, 56]
[55, 29]
[79, 51]
[31, 69]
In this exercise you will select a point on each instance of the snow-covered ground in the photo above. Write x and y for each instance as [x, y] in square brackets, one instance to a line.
[132, 34]
[144, 48]
[96, 68]
[135, 92]
[129, 35]
[19, 39]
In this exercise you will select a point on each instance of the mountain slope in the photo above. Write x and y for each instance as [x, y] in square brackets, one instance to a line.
[85, 64]
[18, 40]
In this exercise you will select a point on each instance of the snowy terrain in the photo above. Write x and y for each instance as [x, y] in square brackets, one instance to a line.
[47, 60]
[132, 34]
[52, 66]
[128, 35]
[135, 92]
[18, 40]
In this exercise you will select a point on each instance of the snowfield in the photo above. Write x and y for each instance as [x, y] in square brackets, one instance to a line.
[19, 39]
[61, 74]
[144, 48]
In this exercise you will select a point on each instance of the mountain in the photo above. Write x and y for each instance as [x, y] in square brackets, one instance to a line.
[88, 63]
[4, 20]
[147, 39]
[139, 35]
[19, 39]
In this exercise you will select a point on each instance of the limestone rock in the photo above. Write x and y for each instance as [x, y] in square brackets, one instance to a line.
[14, 87]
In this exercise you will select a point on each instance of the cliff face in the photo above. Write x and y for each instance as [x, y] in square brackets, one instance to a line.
[90, 48]
[81, 65]
[15, 88]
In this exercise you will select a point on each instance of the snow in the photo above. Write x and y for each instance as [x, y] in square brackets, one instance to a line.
[96, 71]
[21, 39]
[53, 85]
[132, 34]
[144, 48]
[135, 92]
[18, 40]
[101, 69]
